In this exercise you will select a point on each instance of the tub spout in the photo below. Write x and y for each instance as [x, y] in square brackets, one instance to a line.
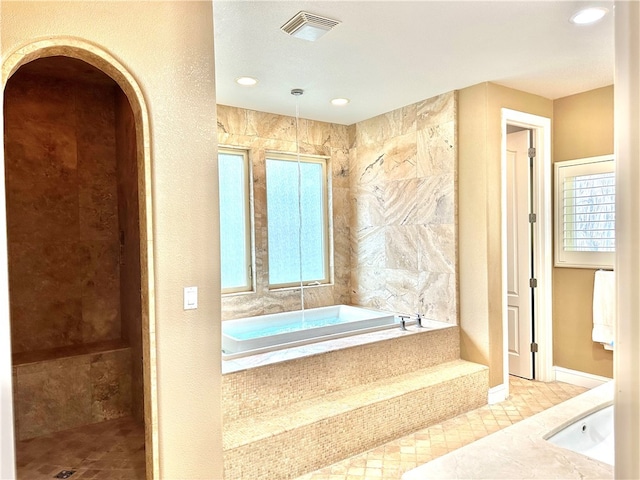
[403, 321]
[418, 320]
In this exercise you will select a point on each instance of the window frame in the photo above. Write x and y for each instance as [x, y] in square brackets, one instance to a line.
[326, 235]
[249, 287]
[581, 259]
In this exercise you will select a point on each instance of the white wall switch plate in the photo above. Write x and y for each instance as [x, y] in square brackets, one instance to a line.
[190, 298]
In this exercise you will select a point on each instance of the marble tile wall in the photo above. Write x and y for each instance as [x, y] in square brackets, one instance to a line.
[403, 217]
[63, 393]
[394, 207]
[258, 132]
[62, 216]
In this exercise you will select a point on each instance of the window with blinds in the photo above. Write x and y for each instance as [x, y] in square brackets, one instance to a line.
[585, 212]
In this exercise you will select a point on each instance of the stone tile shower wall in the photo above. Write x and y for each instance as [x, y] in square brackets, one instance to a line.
[129, 225]
[403, 220]
[72, 198]
[62, 213]
[258, 132]
[66, 392]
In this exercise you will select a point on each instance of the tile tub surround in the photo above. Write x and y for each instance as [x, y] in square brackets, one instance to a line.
[286, 418]
[521, 451]
[403, 181]
[63, 388]
[393, 203]
[291, 353]
[257, 384]
[259, 132]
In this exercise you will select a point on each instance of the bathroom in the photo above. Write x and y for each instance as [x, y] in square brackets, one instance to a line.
[178, 331]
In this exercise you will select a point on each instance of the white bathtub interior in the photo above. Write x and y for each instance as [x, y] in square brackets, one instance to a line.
[251, 335]
[591, 435]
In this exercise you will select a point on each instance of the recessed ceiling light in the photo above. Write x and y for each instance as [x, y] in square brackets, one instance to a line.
[340, 101]
[587, 16]
[246, 81]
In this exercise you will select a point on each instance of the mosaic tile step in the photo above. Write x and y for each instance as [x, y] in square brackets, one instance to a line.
[302, 437]
[337, 365]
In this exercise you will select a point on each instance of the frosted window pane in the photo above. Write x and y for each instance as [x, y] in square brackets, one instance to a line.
[284, 228]
[234, 243]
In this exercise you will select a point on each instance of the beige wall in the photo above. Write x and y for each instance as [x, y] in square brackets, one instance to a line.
[582, 127]
[479, 218]
[257, 132]
[168, 48]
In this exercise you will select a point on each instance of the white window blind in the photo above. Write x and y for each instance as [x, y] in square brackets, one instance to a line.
[585, 212]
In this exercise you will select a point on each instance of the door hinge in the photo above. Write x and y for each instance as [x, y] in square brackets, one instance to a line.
[531, 152]
[533, 218]
[533, 282]
[534, 347]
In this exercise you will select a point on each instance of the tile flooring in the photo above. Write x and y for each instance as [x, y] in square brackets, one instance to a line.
[392, 460]
[114, 450]
[111, 450]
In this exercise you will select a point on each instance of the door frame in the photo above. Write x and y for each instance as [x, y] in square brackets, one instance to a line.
[542, 242]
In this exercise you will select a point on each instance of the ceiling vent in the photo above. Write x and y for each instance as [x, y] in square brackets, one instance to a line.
[308, 26]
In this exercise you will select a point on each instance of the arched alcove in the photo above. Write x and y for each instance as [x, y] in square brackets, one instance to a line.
[78, 222]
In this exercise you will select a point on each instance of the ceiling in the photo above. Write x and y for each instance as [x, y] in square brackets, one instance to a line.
[387, 54]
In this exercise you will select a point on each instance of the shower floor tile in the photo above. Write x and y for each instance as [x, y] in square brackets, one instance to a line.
[111, 450]
[392, 460]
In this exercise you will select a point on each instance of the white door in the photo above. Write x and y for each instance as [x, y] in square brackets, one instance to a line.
[519, 322]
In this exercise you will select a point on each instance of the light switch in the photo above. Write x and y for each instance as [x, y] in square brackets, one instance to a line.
[190, 298]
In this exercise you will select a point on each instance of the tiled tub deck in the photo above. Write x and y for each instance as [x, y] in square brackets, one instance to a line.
[290, 412]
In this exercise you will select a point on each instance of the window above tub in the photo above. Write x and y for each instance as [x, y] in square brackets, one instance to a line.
[585, 196]
[297, 220]
[236, 246]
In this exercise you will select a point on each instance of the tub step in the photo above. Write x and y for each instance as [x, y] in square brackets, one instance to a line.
[313, 433]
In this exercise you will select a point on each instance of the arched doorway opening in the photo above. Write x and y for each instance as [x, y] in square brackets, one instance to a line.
[76, 176]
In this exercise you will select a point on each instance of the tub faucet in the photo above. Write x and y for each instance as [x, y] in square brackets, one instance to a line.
[418, 320]
[403, 321]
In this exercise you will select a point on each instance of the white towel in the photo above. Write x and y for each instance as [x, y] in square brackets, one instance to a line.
[604, 308]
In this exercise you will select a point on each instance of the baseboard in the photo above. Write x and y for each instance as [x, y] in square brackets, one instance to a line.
[497, 394]
[581, 379]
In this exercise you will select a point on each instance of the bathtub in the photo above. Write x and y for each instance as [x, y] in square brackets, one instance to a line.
[591, 435]
[251, 335]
